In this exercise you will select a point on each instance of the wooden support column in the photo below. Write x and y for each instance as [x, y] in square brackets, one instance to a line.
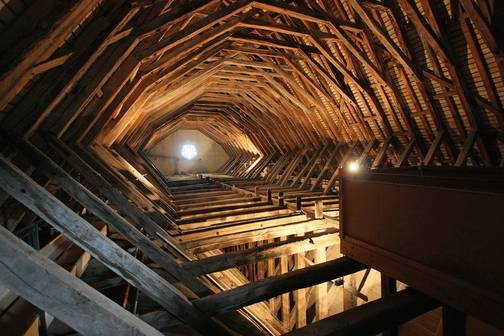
[349, 290]
[285, 297]
[269, 196]
[281, 199]
[321, 304]
[314, 165]
[308, 165]
[382, 153]
[335, 174]
[54, 290]
[466, 148]
[300, 294]
[388, 287]
[271, 271]
[299, 203]
[406, 153]
[327, 165]
[366, 151]
[434, 147]
[454, 322]
[319, 209]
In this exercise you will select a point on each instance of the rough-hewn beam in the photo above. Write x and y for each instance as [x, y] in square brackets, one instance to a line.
[262, 290]
[372, 318]
[50, 287]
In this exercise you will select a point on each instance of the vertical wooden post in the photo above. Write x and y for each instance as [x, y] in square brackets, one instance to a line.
[300, 294]
[256, 191]
[270, 199]
[260, 265]
[271, 272]
[349, 290]
[285, 299]
[319, 209]
[281, 199]
[388, 287]
[321, 305]
[299, 203]
[454, 322]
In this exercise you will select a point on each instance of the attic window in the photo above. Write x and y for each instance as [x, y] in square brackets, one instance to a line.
[188, 151]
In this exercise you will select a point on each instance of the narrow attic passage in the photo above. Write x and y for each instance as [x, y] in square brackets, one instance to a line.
[186, 152]
[238, 167]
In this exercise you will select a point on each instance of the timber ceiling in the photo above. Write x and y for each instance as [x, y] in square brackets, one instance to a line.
[292, 90]
[260, 77]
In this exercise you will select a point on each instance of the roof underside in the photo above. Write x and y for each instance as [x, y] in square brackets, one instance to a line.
[259, 76]
[295, 92]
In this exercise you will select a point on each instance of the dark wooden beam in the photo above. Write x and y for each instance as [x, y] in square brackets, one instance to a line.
[265, 289]
[273, 250]
[99, 208]
[372, 318]
[51, 288]
[454, 322]
[75, 228]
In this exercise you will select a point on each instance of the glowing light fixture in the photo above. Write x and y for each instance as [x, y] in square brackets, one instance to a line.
[353, 166]
[188, 151]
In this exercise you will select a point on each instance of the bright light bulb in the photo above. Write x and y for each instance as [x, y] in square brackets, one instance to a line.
[353, 166]
[188, 151]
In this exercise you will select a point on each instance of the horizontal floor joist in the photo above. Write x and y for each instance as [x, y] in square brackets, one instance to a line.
[373, 317]
[274, 250]
[265, 289]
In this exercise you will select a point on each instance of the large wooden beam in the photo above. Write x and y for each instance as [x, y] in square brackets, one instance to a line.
[265, 289]
[51, 288]
[272, 250]
[372, 318]
[19, 316]
[99, 208]
[54, 212]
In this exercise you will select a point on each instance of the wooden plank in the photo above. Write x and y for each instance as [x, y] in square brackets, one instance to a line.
[300, 294]
[96, 206]
[366, 151]
[341, 164]
[256, 234]
[388, 288]
[382, 153]
[454, 322]
[466, 148]
[54, 212]
[18, 315]
[262, 290]
[406, 153]
[285, 297]
[372, 318]
[434, 147]
[48, 286]
[321, 300]
[326, 166]
[272, 250]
